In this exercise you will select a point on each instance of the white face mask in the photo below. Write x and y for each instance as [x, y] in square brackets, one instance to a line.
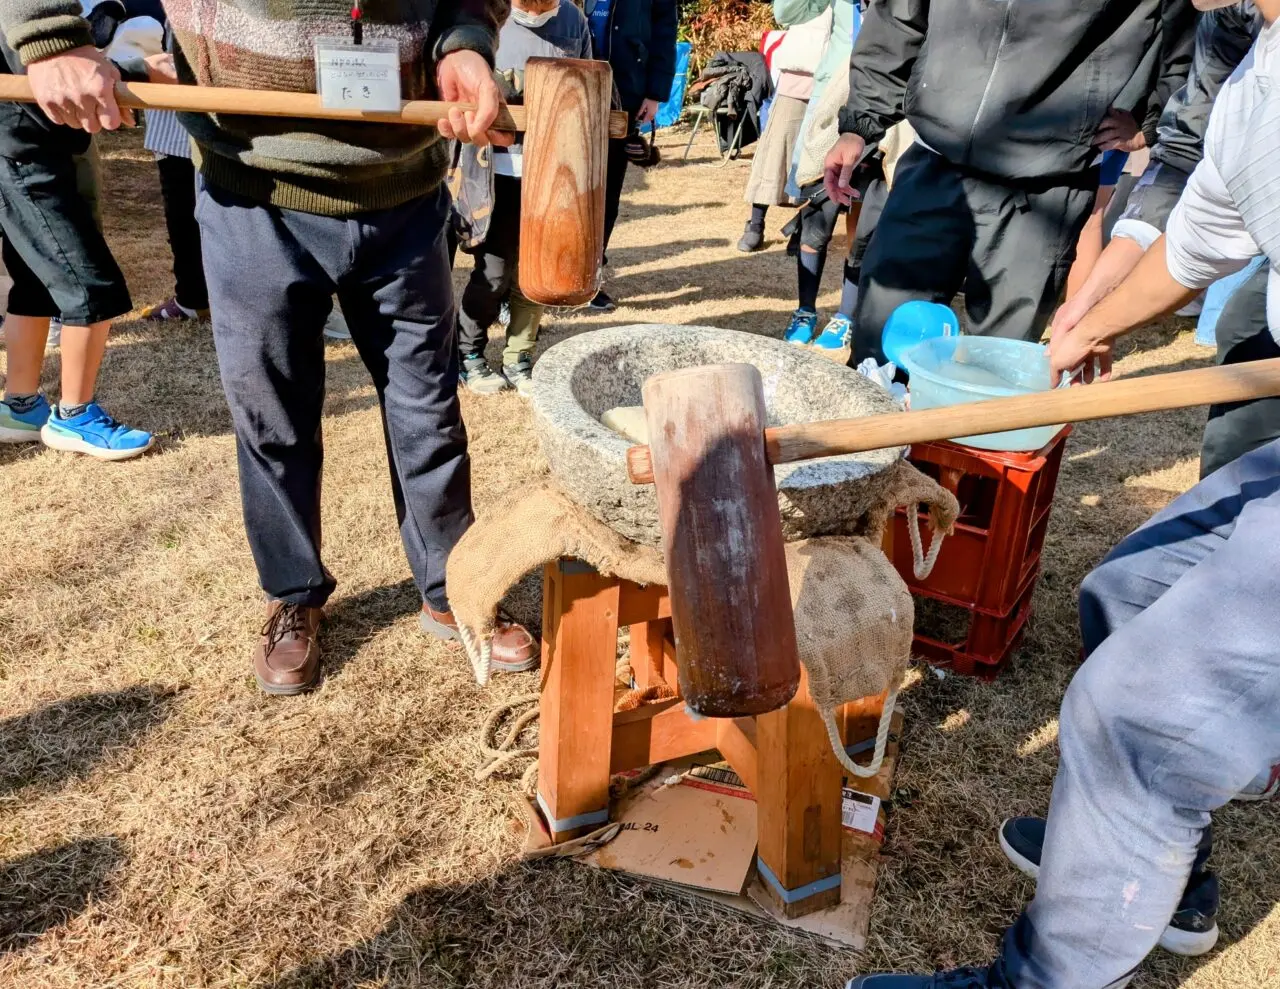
[523, 17]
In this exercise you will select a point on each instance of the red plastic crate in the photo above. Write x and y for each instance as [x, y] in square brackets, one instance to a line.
[989, 566]
[972, 643]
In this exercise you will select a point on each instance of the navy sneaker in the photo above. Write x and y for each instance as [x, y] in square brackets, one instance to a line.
[803, 325]
[23, 427]
[1192, 931]
[602, 302]
[992, 977]
[95, 434]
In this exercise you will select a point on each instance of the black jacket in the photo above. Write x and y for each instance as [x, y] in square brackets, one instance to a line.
[642, 49]
[1013, 89]
[1223, 38]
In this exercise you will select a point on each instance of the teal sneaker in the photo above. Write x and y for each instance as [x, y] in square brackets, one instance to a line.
[23, 427]
[836, 335]
[95, 434]
[803, 325]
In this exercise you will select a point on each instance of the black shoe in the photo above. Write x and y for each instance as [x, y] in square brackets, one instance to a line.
[602, 302]
[752, 239]
[1192, 931]
[956, 978]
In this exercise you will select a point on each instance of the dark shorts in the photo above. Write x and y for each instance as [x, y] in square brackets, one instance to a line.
[1155, 194]
[54, 249]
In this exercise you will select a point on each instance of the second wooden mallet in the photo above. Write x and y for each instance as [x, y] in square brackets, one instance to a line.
[567, 125]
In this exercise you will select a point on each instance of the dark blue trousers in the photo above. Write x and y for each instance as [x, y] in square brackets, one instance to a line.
[272, 274]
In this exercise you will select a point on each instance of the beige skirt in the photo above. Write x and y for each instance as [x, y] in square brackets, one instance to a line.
[767, 185]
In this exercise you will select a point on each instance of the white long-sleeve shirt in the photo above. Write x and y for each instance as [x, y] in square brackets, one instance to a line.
[1230, 210]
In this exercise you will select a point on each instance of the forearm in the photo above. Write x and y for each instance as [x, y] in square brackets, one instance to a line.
[1147, 293]
[38, 29]
[1115, 263]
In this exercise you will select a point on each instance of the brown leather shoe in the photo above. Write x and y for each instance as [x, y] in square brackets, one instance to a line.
[287, 660]
[513, 648]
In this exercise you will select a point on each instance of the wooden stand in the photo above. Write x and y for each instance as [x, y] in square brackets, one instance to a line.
[784, 757]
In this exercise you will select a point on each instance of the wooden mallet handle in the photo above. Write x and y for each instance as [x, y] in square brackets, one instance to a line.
[1129, 396]
[273, 103]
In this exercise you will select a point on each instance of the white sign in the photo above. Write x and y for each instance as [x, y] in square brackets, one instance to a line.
[358, 77]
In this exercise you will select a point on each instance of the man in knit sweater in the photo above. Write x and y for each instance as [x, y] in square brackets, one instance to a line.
[292, 212]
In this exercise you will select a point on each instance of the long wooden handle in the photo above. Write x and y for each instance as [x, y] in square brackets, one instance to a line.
[1153, 393]
[276, 103]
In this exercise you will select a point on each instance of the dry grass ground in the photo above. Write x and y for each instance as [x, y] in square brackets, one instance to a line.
[164, 824]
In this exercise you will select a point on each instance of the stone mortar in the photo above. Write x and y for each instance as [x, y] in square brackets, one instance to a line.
[577, 381]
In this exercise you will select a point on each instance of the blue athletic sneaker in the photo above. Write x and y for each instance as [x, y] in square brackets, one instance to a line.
[803, 325]
[95, 434]
[836, 335]
[23, 427]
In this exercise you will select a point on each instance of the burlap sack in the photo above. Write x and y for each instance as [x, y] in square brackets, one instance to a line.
[853, 612]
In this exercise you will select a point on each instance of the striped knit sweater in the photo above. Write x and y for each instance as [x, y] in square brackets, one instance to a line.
[330, 167]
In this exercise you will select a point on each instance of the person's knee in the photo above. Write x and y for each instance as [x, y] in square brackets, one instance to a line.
[1095, 711]
[1097, 590]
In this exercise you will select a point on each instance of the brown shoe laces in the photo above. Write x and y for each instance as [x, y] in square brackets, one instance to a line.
[288, 619]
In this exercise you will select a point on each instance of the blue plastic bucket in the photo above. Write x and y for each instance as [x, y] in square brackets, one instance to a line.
[914, 322]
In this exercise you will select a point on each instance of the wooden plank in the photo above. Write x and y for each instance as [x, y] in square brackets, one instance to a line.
[736, 740]
[669, 734]
[643, 603]
[647, 660]
[577, 700]
[860, 719]
[798, 794]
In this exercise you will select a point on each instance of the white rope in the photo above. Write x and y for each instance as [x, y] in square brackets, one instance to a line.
[922, 565]
[882, 740]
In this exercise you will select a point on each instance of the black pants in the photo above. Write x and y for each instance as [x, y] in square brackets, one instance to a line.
[873, 199]
[178, 190]
[53, 248]
[272, 274]
[615, 177]
[495, 268]
[943, 231]
[1235, 429]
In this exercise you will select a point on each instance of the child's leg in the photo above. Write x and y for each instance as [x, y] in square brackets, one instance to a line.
[24, 340]
[480, 301]
[522, 333]
[26, 327]
[82, 350]
[494, 273]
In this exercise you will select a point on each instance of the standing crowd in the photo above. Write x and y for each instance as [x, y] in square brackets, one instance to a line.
[1071, 167]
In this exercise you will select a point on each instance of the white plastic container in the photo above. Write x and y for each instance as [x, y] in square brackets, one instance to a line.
[956, 370]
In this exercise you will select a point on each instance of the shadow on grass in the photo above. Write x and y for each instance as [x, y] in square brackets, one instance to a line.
[47, 888]
[66, 739]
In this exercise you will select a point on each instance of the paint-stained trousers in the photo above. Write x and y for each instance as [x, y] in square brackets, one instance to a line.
[272, 274]
[1175, 710]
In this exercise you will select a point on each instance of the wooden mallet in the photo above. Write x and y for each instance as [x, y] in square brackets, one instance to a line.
[567, 125]
[711, 461]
